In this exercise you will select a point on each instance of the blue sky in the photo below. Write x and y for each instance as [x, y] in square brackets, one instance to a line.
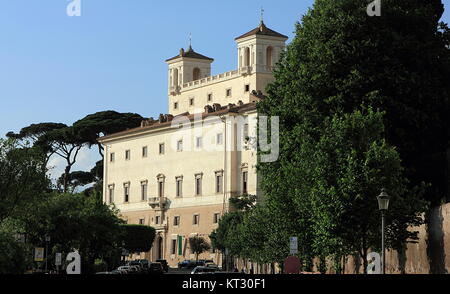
[56, 68]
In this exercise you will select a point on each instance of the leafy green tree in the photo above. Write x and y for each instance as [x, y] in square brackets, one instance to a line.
[13, 256]
[105, 123]
[398, 62]
[75, 222]
[138, 238]
[22, 178]
[198, 245]
[32, 136]
[348, 89]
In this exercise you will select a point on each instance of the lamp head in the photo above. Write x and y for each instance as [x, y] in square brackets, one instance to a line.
[383, 200]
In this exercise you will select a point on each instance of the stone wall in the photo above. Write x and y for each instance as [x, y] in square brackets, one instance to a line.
[431, 255]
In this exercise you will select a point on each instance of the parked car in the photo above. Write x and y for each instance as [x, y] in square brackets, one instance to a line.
[134, 263]
[125, 269]
[117, 272]
[187, 264]
[164, 264]
[203, 270]
[136, 269]
[144, 263]
[137, 265]
[211, 265]
[156, 268]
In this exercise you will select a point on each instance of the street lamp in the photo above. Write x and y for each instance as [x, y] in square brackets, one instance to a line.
[47, 240]
[383, 204]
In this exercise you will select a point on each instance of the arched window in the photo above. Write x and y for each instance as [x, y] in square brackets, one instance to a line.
[247, 57]
[196, 74]
[269, 56]
[175, 77]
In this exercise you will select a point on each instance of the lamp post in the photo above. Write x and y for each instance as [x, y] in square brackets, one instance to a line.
[383, 204]
[47, 240]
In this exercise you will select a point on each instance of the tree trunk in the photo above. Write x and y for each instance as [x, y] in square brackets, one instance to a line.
[364, 258]
[66, 177]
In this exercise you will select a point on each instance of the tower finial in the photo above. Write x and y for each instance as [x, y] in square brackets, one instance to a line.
[190, 41]
[262, 14]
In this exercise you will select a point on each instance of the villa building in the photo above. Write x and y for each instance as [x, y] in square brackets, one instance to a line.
[177, 173]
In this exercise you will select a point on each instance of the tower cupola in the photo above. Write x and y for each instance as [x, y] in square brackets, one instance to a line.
[186, 67]
[259, 49]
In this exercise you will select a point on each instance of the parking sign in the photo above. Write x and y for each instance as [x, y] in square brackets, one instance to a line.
[293, 245]
[39, 254]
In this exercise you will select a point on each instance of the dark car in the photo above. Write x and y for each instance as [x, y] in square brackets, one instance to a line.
[186, 264]
[164, 264]
[203, 262]
[144, 263]
[155, 268]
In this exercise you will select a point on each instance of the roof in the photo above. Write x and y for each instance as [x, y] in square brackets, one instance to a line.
[262, 30]
[190, 53]
[166, 120]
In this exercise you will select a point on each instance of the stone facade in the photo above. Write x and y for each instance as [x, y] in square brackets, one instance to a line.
[177, 173]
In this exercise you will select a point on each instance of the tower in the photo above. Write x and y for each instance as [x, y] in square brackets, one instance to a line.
[186, 67]
[259, 50]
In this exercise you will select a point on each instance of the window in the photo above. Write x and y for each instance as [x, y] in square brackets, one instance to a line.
[176, 221]
[247, 88]
[175, 105]
[244, 182]
[142, 221]
[179, 187]
[144, 188]
[228, 92]
[180, 146]
[198, 142]
[111, 194]
[157, 220]
[219, 139]
[196, 219]
[191, 101]
[127, 155]
[196, 74]
[112, 157]
[216, 218]
[126, 193]
[161, 148]
[246, 131]
[175, 77]
[173, 248]
[161, 188]
[210, 97]
[198, 185]
[144, 151]
[247, 56]
[219, 182]
[269, 56]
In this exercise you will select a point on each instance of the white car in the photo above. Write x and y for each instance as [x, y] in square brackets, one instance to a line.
[201, 270]
[125, 268]
[212, 265]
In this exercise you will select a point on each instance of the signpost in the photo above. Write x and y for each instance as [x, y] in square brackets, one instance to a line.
[39, 254]
[293, 245]
[58, 261]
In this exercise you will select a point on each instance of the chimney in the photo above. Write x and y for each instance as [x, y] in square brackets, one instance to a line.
[209, 109]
